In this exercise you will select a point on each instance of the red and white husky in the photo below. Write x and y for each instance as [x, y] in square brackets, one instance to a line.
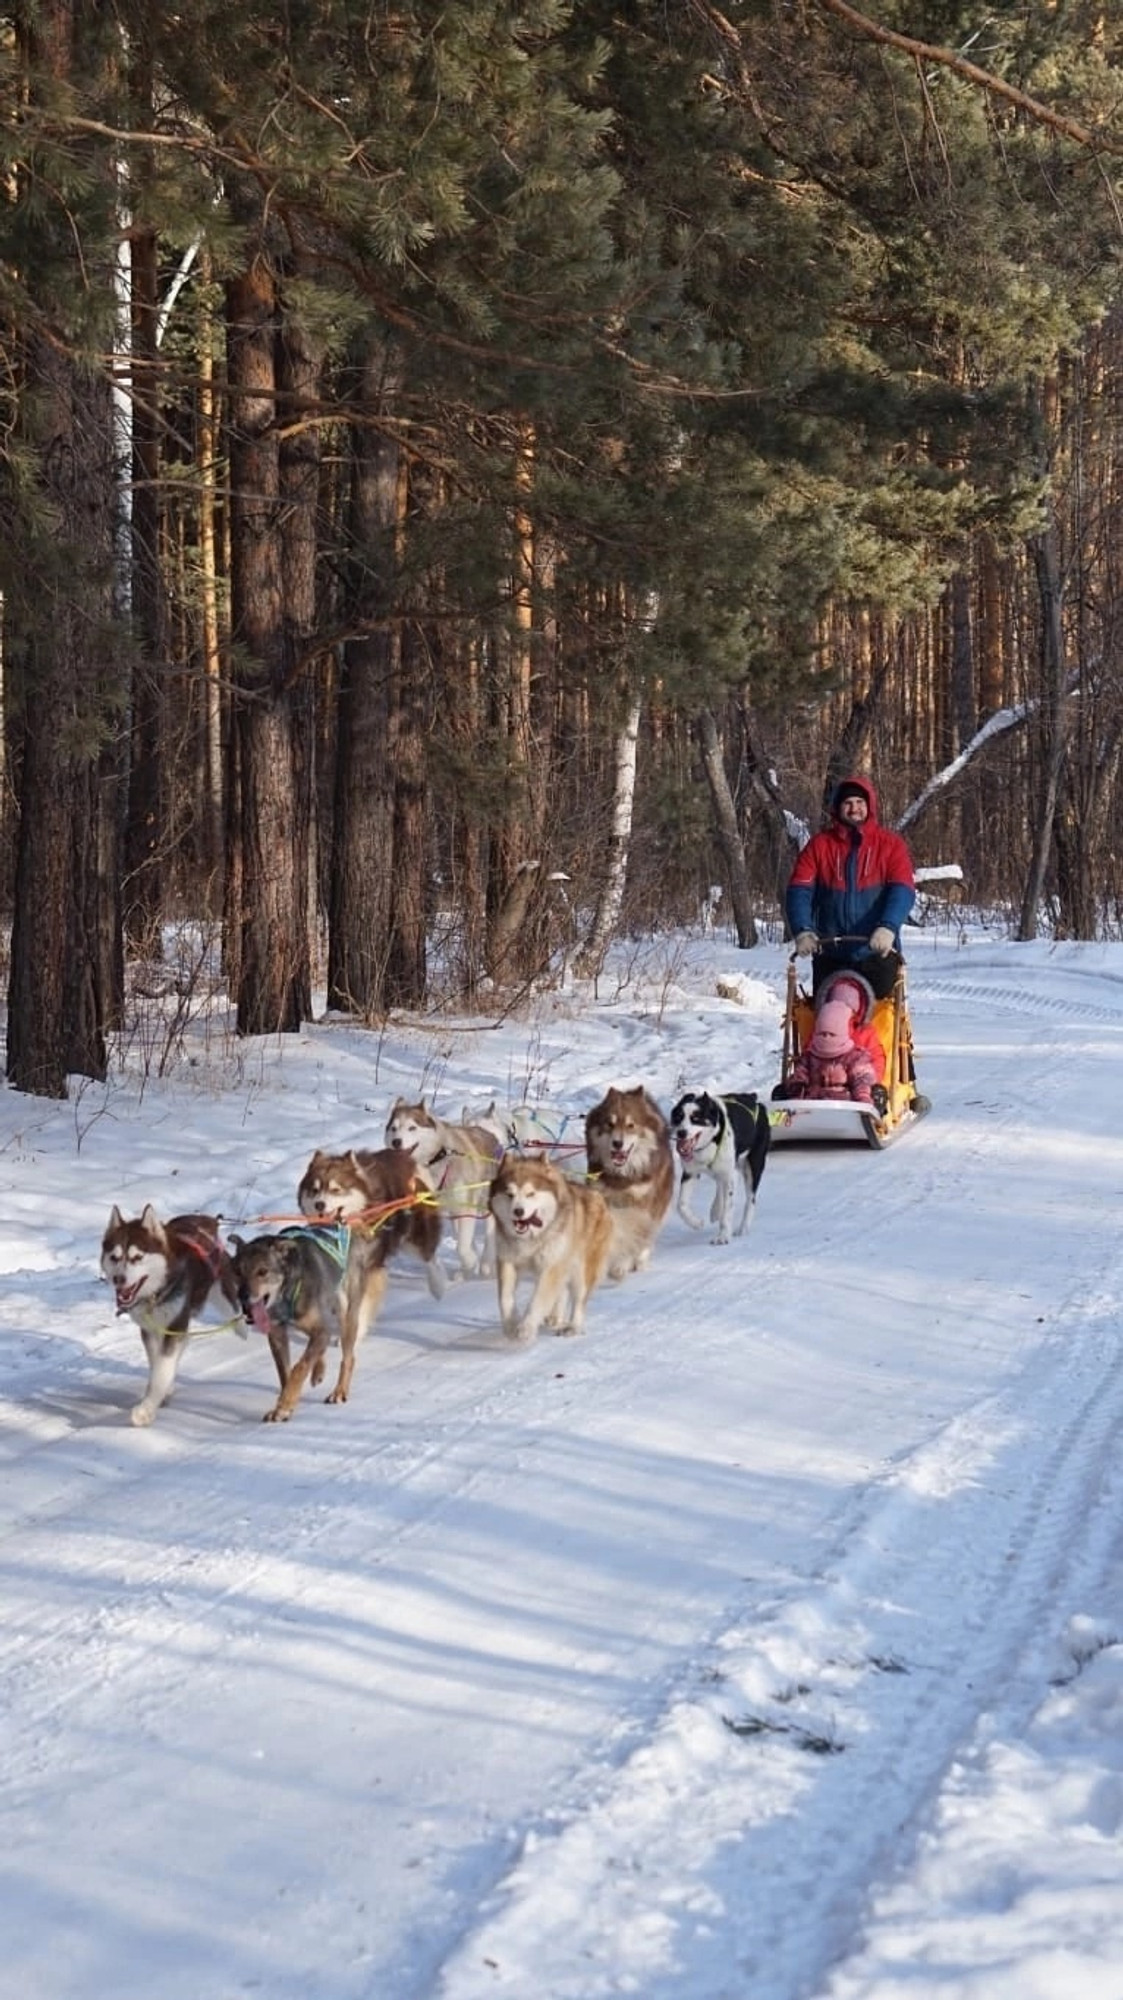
[164, 1275]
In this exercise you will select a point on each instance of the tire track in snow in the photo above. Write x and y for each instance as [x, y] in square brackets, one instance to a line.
[1028, 1001]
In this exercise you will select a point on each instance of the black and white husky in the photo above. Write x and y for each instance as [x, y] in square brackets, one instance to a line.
[721, 1137]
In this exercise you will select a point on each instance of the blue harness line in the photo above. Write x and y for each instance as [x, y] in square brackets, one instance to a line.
[336, 1234]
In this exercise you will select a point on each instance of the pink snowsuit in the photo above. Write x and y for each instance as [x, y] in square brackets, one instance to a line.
[833, 1064]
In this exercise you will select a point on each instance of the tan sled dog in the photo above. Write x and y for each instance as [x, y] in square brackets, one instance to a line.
[553, 1230]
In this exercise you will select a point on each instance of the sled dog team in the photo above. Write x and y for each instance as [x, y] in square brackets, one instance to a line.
[515, 1214]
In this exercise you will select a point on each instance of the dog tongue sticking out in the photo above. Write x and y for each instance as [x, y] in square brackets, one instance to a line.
[259, 1315]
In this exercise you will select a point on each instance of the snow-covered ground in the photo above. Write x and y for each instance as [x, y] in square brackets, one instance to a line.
[767, 1643]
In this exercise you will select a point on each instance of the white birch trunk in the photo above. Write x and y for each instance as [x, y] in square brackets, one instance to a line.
[603, 927]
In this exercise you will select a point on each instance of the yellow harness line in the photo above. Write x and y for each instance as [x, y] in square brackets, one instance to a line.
[151, 1324]
[457, 1214]
[372, 1219]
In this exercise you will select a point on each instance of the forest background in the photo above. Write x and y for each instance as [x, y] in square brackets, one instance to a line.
[472, 474]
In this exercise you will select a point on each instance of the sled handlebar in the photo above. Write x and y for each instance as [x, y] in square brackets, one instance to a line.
[843, 937]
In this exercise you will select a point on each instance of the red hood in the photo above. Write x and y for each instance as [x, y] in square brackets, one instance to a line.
[865, 785]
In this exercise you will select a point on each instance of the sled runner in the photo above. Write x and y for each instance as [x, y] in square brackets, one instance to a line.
[897, 1102]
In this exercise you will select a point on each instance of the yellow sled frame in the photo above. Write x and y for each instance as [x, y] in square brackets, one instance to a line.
[817, 1118]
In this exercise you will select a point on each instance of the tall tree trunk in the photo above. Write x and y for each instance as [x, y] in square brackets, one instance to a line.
[516, 839]
[65, 975]
[1046, 555]
[212, 844]
[407, 755]
[147, 822]
[273, 993]
[362, 840]
[406, 942]
[728, 832]
[299, 364]
[606, 917]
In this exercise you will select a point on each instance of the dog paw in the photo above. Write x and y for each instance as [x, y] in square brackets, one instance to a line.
[141, 1415]
[522, 1334]
[721, 1237]
[276, 1416]
[337, 1396]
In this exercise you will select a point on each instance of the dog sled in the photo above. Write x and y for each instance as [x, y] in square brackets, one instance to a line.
[897, 1103]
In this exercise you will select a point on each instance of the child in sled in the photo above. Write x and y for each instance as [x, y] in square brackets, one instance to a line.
[843, 1059]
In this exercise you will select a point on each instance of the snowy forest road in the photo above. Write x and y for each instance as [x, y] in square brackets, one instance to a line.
[633, 1664]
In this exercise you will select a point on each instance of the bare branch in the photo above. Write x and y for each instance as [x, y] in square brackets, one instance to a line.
[929, 52]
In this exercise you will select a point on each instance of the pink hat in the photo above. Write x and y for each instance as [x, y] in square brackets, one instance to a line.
[848, 991]
[832, 1035]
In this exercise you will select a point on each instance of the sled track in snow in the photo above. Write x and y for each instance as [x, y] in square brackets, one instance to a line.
[998, 1512]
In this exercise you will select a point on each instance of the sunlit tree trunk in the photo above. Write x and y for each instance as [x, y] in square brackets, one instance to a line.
[208, 589]
[362, 863]
[517, 840]
[146, 857]
[273, 991]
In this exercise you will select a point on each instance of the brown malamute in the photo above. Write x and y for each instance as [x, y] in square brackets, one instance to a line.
[628, 1143]
[553, 1230]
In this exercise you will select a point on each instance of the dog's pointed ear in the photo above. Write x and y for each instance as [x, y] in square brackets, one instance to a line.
[236, 1243]
[116, 1220]
[149, 1217]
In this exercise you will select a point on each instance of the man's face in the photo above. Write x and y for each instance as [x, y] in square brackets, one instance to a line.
[853, 810]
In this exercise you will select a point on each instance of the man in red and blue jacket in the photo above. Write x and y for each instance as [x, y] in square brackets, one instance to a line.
[850, 891]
